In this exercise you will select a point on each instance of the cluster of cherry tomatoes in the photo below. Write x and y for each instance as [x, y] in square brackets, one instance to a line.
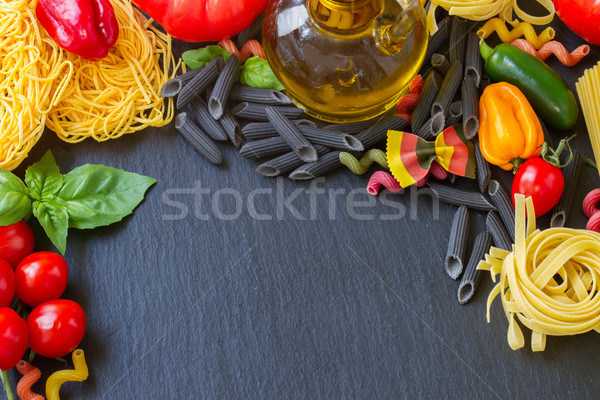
[55, 326]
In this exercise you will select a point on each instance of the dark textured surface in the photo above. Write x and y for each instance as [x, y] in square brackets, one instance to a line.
[340, 303]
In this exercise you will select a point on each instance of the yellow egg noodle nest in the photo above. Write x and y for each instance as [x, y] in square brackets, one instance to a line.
[43, 85]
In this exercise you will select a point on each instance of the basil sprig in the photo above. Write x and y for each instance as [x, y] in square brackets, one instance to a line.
[87, 197]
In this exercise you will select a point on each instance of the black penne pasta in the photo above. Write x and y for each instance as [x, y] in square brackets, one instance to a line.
[173, 86]
[378, 132]
[328, 162]
[440, 64]
[470, 110]
[199, 110]
[258, 95]
[223, 85]
[333, 140]
[432, 127]
[473, 58]
[470, 280]
[501, 200]
[198, 139]
[483, 170]
[458, 197]
[256, 112]
[285, 163]
[437, 39]
[422, 111]
[496, 227]
[560, 212]
[292, 135]
[264, 148]
[263, 130]
[457, 243]
[199, 83]
[231, 127]
[454, 113]
[451, 177]
[448, 89]
[458, 40]
[250, 32]
[351, 128]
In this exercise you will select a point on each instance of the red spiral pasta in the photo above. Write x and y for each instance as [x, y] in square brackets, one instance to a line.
[556, 48]
[591, 211]
[382, 178]
[250, 48]
[438, 171]
[31, 375]
[410, 99]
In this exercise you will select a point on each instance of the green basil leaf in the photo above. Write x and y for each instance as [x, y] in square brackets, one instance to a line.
[54, 219]
[200, 57]
[43, 177]
[256, 72]
[14, 198]
[97, 195]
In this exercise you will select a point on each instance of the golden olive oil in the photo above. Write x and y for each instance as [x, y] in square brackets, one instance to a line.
[345, 60]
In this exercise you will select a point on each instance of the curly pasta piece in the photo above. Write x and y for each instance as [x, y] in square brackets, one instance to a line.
[31, 375]
[591, 210]
[521, 29]
[250, 48]
[80, 373]
[361, 166]
[481, 10]
[383, 178]
[550, 282]
[556, 48]
[410, 99]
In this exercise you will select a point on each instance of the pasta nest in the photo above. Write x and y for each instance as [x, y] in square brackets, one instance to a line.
[42, 85]
[550, 281]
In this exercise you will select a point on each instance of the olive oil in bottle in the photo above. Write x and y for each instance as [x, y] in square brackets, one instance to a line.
[345, 60]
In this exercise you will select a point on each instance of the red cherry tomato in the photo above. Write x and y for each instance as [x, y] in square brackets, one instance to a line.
[7, 284]
[13, 338]
[56, 327]
[581, 16]
[40, 277]
[16, 242]
[542, 181]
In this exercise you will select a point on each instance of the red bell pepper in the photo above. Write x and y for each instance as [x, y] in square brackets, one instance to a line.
[87, 28]
[203, 20]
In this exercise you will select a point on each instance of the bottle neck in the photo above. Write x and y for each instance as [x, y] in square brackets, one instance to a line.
[344, 16]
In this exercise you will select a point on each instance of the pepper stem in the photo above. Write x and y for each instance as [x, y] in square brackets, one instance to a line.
[516, 162]
[7, 388]
[485, 50]
[553, 156]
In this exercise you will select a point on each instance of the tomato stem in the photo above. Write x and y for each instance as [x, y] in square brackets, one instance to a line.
[553, 156]
[7, 388]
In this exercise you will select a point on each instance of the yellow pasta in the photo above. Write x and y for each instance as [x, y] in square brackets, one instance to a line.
[80, 373]
[521, 29]
[588, 90]
[32, 80]
[42, 85]
[481, 10]
[550, 282]
[120, 93]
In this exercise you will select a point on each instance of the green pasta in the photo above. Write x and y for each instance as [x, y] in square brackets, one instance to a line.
[361, 166]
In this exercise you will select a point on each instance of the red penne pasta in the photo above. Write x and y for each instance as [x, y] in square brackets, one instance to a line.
[31, 375]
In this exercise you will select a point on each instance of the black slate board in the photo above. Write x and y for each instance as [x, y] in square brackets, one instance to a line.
[344, 303]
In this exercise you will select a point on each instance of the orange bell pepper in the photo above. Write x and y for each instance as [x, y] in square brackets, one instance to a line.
[509, 129]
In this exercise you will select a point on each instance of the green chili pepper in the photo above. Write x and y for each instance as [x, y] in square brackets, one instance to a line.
[547, 92]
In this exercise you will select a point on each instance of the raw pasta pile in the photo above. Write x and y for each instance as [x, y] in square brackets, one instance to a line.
[550, 282]
[34, 72]
[42, 85]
